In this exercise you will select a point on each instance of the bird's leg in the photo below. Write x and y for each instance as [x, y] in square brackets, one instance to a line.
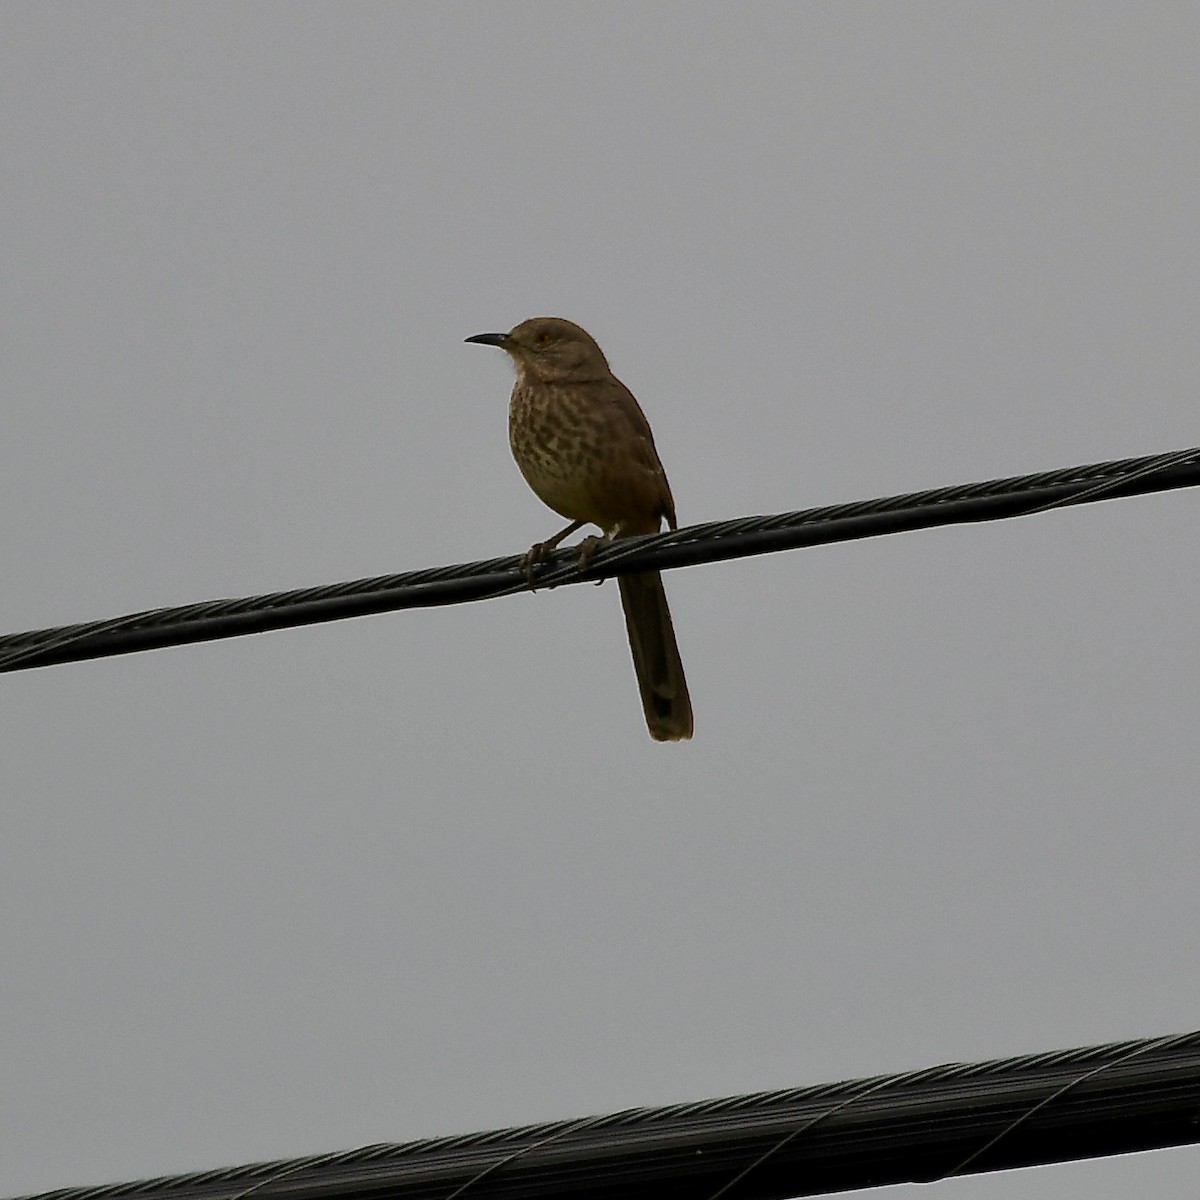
[540, 551]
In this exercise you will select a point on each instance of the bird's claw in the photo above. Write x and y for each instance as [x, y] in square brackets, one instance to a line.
[540, 552]
[537, 554]
[587, 551]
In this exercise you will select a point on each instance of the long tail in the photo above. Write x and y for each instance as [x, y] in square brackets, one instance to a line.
[656, 660]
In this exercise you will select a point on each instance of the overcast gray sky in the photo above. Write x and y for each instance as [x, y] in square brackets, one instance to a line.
[425, 873]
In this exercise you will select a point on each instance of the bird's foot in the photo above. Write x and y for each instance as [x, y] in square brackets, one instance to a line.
[587, 551]
[537, 554]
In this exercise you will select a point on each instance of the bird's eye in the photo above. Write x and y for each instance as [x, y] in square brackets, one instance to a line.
[543, 340]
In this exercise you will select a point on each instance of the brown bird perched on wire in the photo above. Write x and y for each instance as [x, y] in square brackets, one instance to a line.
[585, 447]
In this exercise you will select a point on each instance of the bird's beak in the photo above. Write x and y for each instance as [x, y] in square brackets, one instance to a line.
[492, 339]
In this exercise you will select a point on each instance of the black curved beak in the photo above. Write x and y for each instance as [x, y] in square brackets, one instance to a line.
[490, 339]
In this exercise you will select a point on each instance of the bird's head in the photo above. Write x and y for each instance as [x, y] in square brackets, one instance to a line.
[550, 350]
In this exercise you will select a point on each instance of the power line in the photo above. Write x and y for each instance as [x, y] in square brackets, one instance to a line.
[915, 1127]
[716, 541]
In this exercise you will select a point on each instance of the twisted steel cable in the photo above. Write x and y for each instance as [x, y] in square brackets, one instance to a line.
[715, 541]
[917, 1126]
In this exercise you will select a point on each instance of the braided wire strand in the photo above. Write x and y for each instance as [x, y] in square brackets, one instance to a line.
[711, 542]
[921, 1125]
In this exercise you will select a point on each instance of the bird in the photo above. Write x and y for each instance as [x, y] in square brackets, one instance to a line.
[585, 447]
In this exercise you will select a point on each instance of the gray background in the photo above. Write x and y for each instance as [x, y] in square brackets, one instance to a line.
[425, 873]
